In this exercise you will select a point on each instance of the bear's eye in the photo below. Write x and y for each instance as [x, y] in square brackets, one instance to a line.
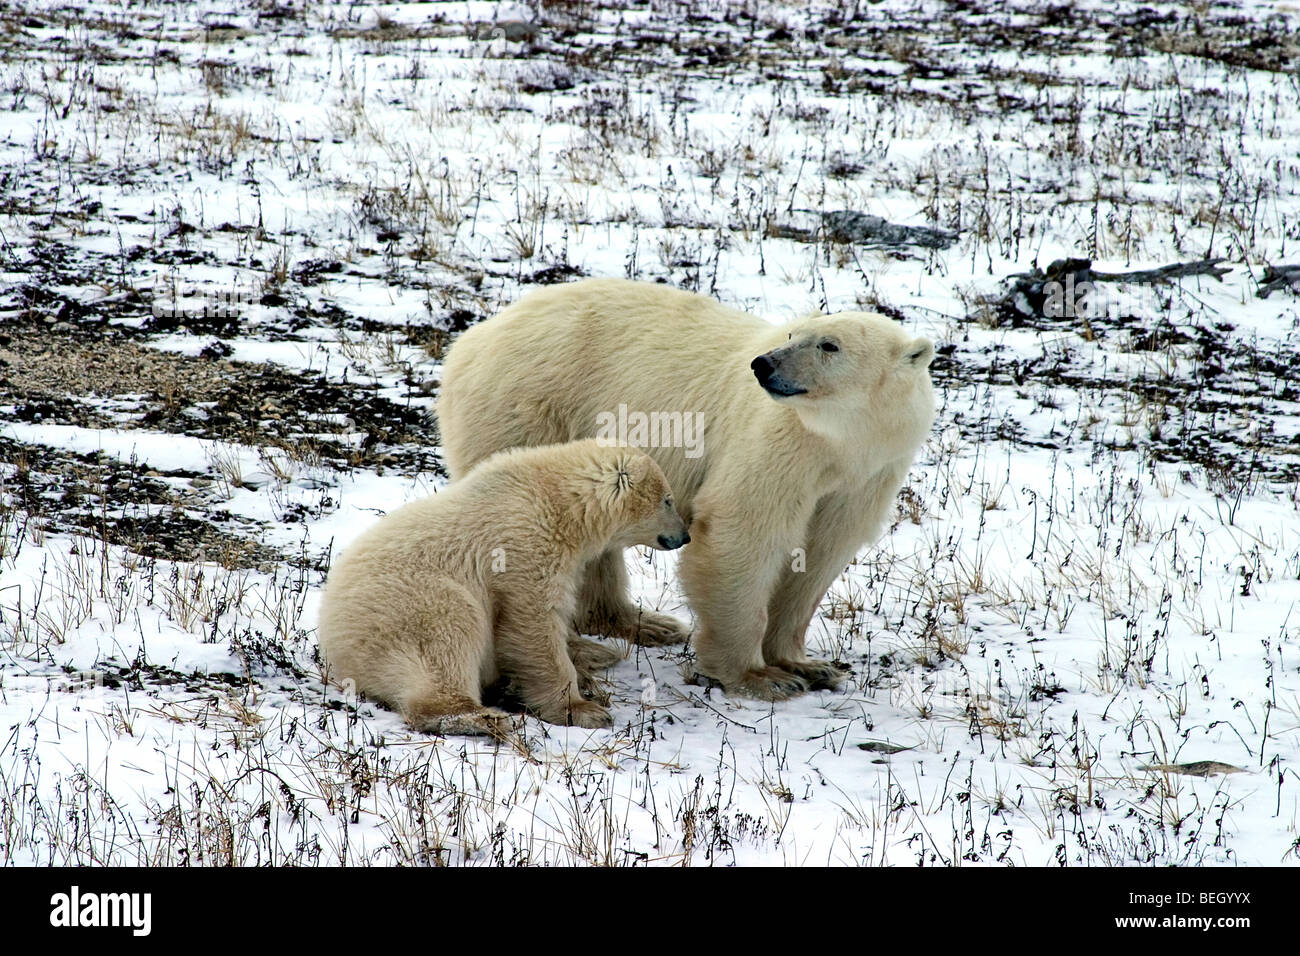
[668, 502]
[829, 347]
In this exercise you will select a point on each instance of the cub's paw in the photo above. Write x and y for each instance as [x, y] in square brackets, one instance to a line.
[647, 628]
[592, 687]
[587, 713]
[590, 656]
[652, 629]
[818, 675]
[486, 722]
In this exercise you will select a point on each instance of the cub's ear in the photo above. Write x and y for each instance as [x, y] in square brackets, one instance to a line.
[920, 353]
[621, 479]
[623, 472]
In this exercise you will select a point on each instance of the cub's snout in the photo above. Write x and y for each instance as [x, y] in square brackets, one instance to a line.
[673, 530]
[672, 542]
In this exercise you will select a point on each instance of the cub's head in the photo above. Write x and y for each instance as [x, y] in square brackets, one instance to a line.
[637, 494]
[849, 372]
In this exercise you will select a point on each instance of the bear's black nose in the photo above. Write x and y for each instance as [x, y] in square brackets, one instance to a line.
[686, 538]
[762, 367]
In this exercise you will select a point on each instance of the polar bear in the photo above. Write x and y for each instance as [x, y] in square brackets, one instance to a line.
[808, 430]
[445, 595]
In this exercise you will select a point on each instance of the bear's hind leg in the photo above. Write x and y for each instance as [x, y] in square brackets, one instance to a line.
[532, 652]
[437, 666]
[604, 607]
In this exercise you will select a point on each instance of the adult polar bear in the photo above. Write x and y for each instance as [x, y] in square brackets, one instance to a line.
[809, 429]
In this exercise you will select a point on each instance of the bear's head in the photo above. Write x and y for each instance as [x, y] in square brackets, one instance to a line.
[637, 491]
[850, 374]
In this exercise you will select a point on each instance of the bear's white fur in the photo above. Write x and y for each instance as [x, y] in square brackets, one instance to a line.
[445, 595]
[788, 482]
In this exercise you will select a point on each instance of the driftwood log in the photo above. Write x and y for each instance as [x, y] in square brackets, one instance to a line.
[860, 228]
[1083, 271]
[1027, 292]
[1279, 277]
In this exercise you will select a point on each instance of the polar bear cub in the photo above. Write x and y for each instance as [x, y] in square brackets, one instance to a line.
[445, 595]
[802, 436]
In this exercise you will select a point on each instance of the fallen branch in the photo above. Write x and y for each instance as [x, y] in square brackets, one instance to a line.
[1279, 277]
[1179, 270]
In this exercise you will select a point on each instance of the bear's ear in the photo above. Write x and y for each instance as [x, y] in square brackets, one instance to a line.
[920, 353]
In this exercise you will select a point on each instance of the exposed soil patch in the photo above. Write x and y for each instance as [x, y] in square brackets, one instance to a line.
[128, 504]
[86, 372]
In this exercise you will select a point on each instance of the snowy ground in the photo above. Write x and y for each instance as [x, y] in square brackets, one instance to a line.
[235, 238]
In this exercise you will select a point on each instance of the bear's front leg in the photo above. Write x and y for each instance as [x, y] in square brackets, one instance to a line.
[842, 524]
[728, 572]
[532, 653]
[833, 538]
